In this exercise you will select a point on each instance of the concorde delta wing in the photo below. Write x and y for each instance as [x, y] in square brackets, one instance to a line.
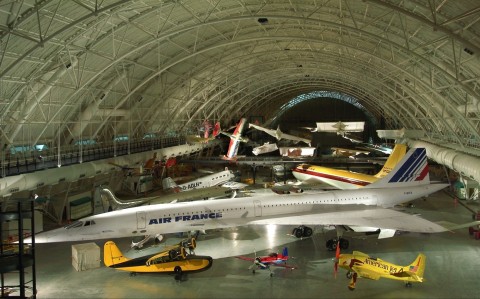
[366, 217]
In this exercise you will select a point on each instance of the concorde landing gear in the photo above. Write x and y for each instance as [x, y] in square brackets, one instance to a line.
[302, 231]
[332, 244]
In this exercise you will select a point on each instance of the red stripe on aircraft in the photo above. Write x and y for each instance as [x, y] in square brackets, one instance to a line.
[333, 177]
[422, 174]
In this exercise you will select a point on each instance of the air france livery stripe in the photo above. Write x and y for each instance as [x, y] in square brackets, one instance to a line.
[414, 169]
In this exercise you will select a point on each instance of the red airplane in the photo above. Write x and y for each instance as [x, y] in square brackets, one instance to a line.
[264, 262]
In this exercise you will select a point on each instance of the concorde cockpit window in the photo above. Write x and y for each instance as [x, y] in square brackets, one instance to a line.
[74, 224]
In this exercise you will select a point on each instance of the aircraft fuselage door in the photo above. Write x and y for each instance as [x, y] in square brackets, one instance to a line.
[141, 220]
[258, 208]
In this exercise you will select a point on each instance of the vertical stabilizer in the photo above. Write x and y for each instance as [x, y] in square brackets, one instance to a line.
[112, 255]
[395, 157]
[169, 184]
[417, 268]
[412, 170]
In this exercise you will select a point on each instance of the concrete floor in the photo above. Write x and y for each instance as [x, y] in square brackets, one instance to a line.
[452, 264]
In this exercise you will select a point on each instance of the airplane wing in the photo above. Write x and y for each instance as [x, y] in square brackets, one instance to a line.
[366, 273]
[268, 131]
[368, 217]
[283, 265]
[246, 258]
[239, 128]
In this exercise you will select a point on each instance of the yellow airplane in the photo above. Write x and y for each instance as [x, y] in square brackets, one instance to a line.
[172, 259]
[344, 179]
[360, 264]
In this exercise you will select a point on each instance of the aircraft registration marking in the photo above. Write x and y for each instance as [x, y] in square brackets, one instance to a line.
[185, 218]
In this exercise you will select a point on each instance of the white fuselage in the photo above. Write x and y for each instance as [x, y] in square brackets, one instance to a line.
[209, 214]
[209, 180]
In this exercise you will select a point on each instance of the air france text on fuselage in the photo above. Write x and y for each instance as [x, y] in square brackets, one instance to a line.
[179, 218]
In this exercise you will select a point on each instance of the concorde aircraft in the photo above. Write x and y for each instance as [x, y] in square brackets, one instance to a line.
[366, 207]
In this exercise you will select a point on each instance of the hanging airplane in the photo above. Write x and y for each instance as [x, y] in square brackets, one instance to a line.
[235, 140]
[264, 262]
[344, 179]
[267, 147]
[339, 127]
[193, 139]
[279, 135]
[356, 209]
[171, 260]
[359, 264]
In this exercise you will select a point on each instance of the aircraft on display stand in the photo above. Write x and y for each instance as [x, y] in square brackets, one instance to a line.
[170, 260]
[359, 264]
[344, 179]
[264, 262]
[371, 206]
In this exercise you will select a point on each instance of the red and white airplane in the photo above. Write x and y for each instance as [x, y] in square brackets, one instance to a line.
[264, 262]
[235, 140]
[344, 179]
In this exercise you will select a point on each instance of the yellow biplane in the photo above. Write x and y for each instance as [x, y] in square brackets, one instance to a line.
[172, 259]
[359, 264]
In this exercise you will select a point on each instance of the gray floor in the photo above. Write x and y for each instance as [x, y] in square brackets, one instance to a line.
[453, 260]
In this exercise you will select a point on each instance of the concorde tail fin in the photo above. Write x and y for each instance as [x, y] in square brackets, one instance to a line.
[412, 170]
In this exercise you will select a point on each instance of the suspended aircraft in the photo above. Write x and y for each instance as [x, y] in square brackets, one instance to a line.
[264, 262]
[265, 148]
[344, 179]
[193, 139]
[279, 135]
[235, 140]
[370, 206]
[171, 260]
[339, 127]
[359, 264]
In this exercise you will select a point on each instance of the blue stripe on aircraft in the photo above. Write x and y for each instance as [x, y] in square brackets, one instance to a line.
[408, 170]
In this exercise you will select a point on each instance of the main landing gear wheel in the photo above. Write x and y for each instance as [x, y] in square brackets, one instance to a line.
[332, 244]
[178, 273]
[302, 232]
[408, 284]
[133, 274]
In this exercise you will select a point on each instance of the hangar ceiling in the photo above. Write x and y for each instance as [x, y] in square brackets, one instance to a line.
[73, 70]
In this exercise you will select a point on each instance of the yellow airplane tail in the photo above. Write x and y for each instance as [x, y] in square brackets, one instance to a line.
[397, 154]
[417, 268]
[112, 255]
